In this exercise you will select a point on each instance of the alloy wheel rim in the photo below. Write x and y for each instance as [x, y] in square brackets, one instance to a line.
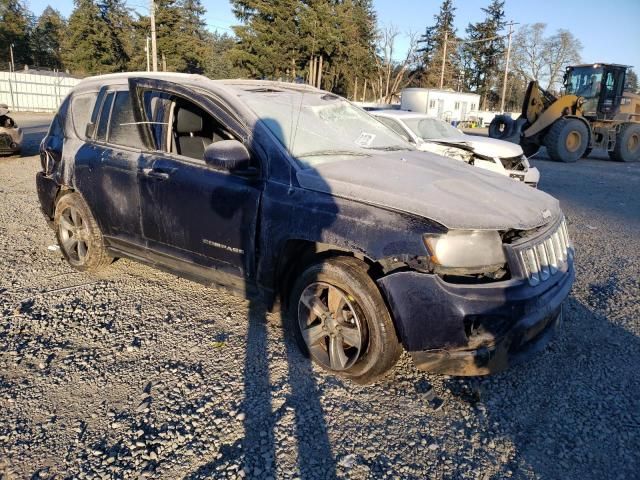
[74, 234]
[573, 141]
[330, 325]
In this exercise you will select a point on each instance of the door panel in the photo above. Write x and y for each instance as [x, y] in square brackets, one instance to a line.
[188, 209]
[107, 175]
[206, 215]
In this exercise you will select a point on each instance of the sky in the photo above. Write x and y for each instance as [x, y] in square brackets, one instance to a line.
[608, 29]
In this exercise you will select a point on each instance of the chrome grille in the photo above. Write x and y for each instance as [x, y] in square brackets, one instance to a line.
[545, 257]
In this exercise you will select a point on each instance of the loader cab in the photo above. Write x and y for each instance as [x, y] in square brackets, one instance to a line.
[601, 86]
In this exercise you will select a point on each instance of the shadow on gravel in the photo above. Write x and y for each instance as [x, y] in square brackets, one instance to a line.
[256, 452]
[574, 411]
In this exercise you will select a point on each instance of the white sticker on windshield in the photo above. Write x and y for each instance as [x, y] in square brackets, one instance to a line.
[365, 139]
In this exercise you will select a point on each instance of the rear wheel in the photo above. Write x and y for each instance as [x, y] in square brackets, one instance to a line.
[567, 140]
[627, 147]
[78, 234]
[341, 320]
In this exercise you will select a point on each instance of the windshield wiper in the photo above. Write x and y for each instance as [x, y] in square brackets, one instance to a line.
[322, 153]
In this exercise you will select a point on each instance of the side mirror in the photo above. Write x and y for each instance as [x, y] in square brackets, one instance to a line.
[228, 155]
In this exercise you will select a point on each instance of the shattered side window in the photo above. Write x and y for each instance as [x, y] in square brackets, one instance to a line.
[124, 129]
[157, 107]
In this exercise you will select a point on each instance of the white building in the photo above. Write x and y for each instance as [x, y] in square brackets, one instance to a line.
[444, 104]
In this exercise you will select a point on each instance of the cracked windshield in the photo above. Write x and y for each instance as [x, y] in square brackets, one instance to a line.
[318, 128]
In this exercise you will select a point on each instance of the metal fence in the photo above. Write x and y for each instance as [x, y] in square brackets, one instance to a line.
[25, 91]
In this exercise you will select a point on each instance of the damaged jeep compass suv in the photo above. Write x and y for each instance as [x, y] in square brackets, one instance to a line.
[308, 202]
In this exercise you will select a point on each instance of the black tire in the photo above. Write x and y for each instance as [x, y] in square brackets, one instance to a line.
[587, 152]
[78, 234]
[379, 350]
[567, 140]
[501, 126]
[627, 147]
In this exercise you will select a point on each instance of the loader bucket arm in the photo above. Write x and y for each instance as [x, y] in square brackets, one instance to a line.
[536, 101]
[562, 106]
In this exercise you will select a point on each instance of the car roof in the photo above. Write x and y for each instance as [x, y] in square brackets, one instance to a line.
[239, 85]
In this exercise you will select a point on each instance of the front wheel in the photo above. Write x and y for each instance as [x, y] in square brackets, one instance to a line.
[341, 320]
[567, 140]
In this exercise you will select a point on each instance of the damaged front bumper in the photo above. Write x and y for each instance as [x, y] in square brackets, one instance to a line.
[474, 329]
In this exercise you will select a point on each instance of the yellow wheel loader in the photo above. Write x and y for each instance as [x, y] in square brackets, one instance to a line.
[594, 112]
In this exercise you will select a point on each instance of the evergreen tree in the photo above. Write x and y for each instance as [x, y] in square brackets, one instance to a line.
[119, 24]
[47, 38]
[631, 82]
[354, 57]
[15, 29]
[432, 49]
[181, 35]
[96, 42]
[218, 62]
[484, 57]
[270, 43]
[279, 39]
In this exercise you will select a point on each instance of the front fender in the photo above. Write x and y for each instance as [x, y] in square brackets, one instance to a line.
[293, 213]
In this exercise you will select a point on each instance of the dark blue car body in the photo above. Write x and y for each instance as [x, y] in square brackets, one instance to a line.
[252, 230]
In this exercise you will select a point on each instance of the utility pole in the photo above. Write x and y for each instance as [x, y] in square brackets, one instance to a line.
[11, 69]
[146, 49]
[13, 65]
[506, 67]
[444, 59]
[154, 50]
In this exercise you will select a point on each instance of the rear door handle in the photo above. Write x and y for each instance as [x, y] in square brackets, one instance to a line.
[152, 173]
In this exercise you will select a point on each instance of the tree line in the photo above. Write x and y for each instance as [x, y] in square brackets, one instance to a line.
[339, 45]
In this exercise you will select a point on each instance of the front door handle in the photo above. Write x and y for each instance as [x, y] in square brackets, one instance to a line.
[152, 173]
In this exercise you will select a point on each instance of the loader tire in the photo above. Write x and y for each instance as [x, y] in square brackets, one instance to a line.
[501, 127]
[567, 140]
[627, 147]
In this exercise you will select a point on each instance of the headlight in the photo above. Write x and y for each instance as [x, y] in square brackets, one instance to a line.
[467, 249]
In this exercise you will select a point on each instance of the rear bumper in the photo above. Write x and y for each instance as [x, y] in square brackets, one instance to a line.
[474, 329]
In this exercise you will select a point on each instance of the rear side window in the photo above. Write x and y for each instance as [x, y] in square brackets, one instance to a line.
[103, 123]
[81, 107]
[124, 129]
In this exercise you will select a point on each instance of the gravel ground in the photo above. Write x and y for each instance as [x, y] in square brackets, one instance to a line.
[137, 373]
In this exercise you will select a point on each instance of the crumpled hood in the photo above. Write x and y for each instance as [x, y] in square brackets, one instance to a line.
[492, 147]
[452, 193]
